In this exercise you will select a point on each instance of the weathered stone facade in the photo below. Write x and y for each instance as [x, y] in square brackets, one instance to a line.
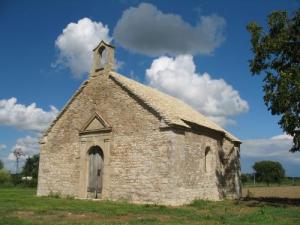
[147, 157]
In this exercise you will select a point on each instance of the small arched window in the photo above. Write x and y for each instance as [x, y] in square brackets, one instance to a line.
[207, 159]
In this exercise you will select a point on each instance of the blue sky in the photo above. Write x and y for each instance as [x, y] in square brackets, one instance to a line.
[35, 67]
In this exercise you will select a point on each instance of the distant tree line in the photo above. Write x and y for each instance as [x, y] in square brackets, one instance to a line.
[268, 172]
[27, 177]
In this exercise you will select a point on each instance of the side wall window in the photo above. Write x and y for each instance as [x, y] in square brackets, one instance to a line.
[207, 160]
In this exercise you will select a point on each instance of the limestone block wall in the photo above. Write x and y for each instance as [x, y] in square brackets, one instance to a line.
[140, 170]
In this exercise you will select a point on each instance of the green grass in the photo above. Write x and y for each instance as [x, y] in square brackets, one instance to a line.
[21, 206]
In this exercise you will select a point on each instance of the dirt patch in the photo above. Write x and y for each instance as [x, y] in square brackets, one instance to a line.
[244, 210]
[292, 192]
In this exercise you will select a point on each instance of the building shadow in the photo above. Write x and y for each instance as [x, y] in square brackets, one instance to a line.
[270, 201]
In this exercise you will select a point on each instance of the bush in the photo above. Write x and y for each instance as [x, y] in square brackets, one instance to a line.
[16, 179]
[269, 171]
[5, 177]
[244, 178]
[30, 169]
[29, 183]
[54, 194]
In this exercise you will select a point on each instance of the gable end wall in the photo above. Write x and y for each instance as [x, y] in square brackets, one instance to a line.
[139, 151]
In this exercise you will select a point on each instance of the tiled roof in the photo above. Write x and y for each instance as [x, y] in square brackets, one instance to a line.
[172, 110]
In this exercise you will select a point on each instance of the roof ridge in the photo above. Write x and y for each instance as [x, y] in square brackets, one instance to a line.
[114, 76]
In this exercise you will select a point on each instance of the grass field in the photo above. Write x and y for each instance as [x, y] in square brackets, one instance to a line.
[21, 206]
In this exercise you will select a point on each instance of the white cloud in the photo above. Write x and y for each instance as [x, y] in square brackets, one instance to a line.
[29, 146]
[76, 42]
[24, 117]
[284, 137]
[2, 146]
[274, 148]
[214, 98]
[147, 30]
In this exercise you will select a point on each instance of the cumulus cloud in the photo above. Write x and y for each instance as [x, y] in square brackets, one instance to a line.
[274, 148]
[30, 118]
[76, 42]
[214, 98]
[147, 30]
[2, 146]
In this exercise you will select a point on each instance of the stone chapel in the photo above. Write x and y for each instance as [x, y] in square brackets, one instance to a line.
[117, 139]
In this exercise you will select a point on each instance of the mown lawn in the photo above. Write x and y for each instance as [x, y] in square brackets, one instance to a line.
[21, 206]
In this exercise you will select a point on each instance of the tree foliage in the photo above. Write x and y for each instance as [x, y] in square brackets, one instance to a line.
[277, 54]
[244, 178]
[269, 171]
[31, 166]
[1, 164]
[5, 177]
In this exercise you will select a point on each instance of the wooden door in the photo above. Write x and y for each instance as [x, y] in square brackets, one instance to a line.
[95, 172]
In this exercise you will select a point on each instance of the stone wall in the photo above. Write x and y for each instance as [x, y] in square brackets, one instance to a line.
[138, 165]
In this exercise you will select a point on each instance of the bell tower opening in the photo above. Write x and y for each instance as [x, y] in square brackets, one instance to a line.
[103, 58]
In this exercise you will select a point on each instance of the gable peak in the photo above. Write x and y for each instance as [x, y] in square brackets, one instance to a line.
[103, 43]
[95, 124]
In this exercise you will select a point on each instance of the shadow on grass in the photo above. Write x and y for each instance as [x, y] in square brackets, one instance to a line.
[272, 201]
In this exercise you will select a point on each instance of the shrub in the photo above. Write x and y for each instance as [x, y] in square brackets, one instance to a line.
[5, 177]
[1, 165]
[54, 194]
[244, 178]
[31, 167]
[269, 171]
[29, 183]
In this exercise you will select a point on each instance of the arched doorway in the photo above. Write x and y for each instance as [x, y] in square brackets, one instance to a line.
[95, 171]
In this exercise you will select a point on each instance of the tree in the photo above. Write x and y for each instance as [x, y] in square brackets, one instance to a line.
[1, 164]
[31, 166]
[5, 177]
[269, 171]
[244, 178]
[277, 54]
